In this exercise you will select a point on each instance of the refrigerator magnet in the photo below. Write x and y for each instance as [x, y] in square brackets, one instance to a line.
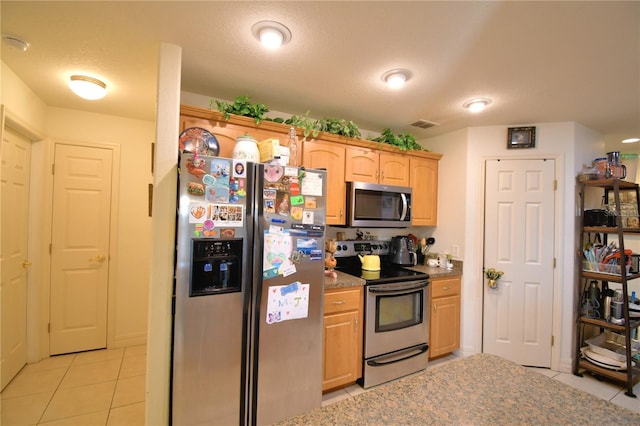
[307, 217]
[283, 203]
[296, 212]
[289, 270]
[310, 202]
[291, 171]
[296, 200]
[294, 188]
[197, 213]
[239, 169]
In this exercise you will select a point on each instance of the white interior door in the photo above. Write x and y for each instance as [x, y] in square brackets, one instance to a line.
[519, 230]
[14, 262]
[80, 248]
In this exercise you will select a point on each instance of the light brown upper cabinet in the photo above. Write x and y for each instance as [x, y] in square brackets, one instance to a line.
[424, 182]
[329, 156]
[367, 165]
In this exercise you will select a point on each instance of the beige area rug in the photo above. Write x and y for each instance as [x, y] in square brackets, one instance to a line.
[478, 390]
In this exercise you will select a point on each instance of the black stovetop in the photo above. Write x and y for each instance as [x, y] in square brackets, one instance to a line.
[389, 272]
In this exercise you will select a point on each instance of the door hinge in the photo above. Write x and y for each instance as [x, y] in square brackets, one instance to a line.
[555, 184]
[53, 169]
[49, 327]
[50, 248]
[554, 263]
[552, 340]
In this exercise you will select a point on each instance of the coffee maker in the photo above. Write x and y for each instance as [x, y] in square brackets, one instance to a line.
[403, 251]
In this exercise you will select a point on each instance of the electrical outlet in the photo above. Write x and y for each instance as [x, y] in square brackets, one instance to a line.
[455, 251]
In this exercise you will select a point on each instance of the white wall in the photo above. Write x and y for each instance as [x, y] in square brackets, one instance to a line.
[20, 100]
[135, 138]
[164, 221]
[463, 160]
[452, 187]
[129, 324]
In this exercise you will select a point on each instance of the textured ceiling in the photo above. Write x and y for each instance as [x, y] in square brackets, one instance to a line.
[537, 61]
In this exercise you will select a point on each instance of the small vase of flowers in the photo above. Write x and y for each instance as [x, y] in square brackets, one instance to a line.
[493, 275]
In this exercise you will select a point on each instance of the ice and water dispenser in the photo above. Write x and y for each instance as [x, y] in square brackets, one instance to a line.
[216, 266]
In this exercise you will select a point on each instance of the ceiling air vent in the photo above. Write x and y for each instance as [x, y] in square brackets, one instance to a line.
[424, 124]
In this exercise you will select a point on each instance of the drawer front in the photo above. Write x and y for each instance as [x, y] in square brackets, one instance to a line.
[342, 300]
[445, 287]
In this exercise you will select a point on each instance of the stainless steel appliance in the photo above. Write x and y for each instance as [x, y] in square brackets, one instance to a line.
[247, 335]
[378, 206]
[403, 251]
[396, 328]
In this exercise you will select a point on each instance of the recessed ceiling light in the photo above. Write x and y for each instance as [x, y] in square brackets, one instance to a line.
[15, 42]
[396, 78]
[631, 140]
[271, 34]
[477, 104]
[87, 87]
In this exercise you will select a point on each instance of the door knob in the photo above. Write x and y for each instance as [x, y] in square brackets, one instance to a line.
[26, 264]
[100, 258]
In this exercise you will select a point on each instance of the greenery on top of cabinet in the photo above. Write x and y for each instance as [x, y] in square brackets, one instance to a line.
[244, 107]
[404, 141]
[241, 106]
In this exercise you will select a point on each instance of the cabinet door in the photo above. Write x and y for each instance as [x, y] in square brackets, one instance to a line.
[394, 169]
[316, 155]
[361, 165]
[341, 355]
[424, 181]
[445, 325]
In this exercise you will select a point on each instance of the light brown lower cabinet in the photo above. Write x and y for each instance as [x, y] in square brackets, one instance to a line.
[444, 335]
[342, 337]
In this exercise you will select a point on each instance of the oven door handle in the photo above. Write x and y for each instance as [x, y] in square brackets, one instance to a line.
[420, 350]
[383, 289]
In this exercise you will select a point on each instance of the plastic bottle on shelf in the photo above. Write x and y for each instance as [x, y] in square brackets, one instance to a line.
[293, 147]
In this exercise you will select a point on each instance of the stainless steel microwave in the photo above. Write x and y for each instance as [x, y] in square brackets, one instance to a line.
[378, 206]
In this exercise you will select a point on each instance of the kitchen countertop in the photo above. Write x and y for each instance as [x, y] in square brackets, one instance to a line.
[345, 280]
[342, 281]
[481, 389]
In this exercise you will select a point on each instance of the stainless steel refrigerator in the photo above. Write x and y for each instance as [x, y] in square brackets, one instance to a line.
[247, 336]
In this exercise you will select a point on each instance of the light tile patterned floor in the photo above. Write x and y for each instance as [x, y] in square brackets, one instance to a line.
[613, 392]
[107, 388]
[104, 387]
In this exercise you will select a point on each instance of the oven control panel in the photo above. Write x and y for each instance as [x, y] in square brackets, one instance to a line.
[361, 247]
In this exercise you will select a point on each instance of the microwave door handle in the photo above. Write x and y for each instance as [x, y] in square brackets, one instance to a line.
[404, 205]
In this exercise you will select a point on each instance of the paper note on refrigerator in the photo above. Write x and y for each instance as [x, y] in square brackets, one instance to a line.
[287, 302]
[312, 184]
[277, 252]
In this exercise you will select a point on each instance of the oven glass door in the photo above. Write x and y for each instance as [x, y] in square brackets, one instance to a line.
[399, 311]
[396, 316]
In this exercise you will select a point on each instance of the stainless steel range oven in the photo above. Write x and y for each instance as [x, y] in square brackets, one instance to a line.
[396, 326]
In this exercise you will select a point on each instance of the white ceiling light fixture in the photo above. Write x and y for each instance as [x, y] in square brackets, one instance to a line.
[15, 42]
[271, 34]
[395, 79]
[477, 104]
[631, 140]
[87, 87]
